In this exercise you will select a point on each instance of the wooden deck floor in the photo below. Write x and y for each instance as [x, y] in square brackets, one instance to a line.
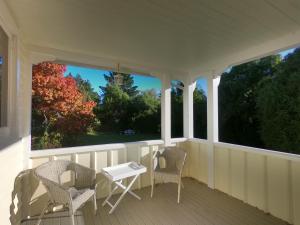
[199, 205]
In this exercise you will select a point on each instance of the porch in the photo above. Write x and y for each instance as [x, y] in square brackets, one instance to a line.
[224, 183]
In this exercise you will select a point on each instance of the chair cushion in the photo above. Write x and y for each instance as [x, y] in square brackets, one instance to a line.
[167, 175]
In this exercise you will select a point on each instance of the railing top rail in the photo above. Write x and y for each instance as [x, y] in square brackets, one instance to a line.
[90, 148]
[261, 151]
[198, 140]
[176, 140]
[118, 146]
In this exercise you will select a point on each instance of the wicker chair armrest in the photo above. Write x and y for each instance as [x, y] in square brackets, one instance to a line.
[57, 193]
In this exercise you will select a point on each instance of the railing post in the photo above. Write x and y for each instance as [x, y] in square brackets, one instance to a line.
[166, 110]
[93, 160]
[188, 109]
[212, 124]
[25, 123]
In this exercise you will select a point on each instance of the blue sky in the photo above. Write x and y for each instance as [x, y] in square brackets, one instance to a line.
[96, 77]
[284, 53]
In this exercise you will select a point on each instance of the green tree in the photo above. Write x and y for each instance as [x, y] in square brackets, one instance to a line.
[123, 107]
[200, 114]
[177, 109]
[89, 94]
[127, 83]
[59, 111]
[238, 119]
[114, 108]
[145, 111]
[278, 104]
[85, 87]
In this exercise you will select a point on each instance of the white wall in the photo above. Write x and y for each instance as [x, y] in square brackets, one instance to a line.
[11, 165]
[13, 140]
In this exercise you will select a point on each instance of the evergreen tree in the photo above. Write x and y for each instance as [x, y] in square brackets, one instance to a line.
[113, 111]
[86, 89]
[127, 83]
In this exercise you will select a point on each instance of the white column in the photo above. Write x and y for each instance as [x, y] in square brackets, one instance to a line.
[166, 110]
[25, 106]
[188, 109]
[13, 89]
[212, 124]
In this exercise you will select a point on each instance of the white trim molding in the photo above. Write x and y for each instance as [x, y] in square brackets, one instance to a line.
[166, 110]
[188, 109]
[212, 123]
[37, 57]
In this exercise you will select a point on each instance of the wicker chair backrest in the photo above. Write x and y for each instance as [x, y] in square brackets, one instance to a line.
[174, 157]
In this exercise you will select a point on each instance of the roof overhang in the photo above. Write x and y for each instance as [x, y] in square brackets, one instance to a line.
[176, 37]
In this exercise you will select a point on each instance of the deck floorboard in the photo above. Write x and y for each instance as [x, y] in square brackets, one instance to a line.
[199, 205]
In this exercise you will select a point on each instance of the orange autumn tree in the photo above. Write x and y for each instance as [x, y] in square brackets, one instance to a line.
[58, 101]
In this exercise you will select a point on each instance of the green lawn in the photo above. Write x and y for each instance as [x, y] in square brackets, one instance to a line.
[96, 138]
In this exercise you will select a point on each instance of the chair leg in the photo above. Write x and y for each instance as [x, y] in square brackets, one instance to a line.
[95, 203]
[179, 189]
[152, 187]
[42, 214]
[72, 219]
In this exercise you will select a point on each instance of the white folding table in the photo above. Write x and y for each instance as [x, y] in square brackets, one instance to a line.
[116, 174]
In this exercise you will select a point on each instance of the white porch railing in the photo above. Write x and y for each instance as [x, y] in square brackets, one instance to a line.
[96, 157]
[99, 156]
[266, 179]
[262, 178]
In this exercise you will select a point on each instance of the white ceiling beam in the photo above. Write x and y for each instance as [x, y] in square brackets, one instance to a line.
[105, 63]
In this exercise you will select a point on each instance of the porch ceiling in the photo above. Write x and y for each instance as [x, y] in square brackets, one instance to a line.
[195, 36]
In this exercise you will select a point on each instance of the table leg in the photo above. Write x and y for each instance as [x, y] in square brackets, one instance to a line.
[123, 194]
[130, 192]
[109, 196]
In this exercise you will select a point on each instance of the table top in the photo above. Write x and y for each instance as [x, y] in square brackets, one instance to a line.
[124, 170]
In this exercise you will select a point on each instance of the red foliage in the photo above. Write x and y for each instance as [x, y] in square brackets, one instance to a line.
[59, 100]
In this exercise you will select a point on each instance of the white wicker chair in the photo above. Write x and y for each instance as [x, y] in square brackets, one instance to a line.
[174, 159]
[73, 197]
